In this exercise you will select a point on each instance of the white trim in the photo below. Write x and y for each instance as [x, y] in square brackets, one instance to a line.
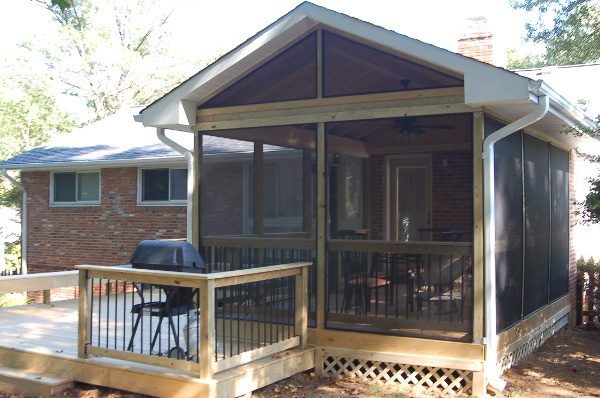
[388, 184]
[147, 203]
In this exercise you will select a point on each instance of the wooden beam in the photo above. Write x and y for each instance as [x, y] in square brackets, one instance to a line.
[398, 149]
[375, 343]
[297, 138]
[363, 107]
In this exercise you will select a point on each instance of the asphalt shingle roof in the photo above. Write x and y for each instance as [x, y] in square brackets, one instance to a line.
[118, 138]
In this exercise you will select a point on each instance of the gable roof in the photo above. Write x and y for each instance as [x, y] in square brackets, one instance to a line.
[119, 141]
[502, 92]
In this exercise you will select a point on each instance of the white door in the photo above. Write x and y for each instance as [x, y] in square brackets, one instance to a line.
[409, 197]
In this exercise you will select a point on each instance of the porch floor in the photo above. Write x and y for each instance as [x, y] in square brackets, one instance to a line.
[43, 338]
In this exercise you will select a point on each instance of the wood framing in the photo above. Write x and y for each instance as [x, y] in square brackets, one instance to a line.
[371, 106]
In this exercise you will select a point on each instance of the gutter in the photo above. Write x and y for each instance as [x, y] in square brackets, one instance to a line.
[491, 359]
[189, 155]
[23, 221]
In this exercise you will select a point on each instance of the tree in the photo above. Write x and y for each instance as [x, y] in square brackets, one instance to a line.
[514, 61]
[570, 29]
[30, 118]
[113, 53]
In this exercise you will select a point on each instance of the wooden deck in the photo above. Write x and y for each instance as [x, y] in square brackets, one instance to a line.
[42, 338]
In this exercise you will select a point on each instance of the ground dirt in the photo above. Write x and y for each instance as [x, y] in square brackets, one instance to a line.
[567, 365]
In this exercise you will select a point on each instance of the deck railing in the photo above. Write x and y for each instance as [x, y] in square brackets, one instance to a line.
[201, 323]
[35, 282]
[402, 288]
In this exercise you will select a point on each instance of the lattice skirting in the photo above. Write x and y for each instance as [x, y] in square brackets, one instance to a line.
[424, 378]
[511, 355]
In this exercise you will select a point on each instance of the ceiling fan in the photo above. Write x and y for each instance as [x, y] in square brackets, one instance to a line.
[410, 126]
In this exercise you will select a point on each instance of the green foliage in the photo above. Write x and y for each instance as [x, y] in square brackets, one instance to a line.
[514, 61]
[12, 299]
[30, 116]
[588, 278]
[12, 257]
[570, 29]
[588, 266]
[589, 212]
[62, 4]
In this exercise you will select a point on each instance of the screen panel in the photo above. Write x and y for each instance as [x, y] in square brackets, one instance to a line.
[537, 223]
[509, 227]
[559, 257]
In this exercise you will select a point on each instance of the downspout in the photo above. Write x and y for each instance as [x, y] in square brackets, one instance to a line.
[23, 221]
[491, 359]
[189, 155]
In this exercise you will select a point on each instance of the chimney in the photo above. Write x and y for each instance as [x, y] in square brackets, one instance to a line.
[478, 42]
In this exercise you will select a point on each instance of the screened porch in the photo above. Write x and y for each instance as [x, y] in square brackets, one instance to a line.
[398, 230]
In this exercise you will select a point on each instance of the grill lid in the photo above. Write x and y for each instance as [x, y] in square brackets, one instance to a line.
[167, 255]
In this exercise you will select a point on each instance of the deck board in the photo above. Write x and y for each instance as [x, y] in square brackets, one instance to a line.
[43, 338]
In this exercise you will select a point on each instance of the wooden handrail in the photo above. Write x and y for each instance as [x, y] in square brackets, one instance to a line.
[206, 284]
[42, 281]
[253, 242]
[423, 248]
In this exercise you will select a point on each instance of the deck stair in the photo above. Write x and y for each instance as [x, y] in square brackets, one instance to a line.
[18, 381]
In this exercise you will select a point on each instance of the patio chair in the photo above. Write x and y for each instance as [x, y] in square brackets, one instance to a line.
[358, 281]
[178, 301]
[441, 282]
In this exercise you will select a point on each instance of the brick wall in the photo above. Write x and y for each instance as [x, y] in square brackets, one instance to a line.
[61, 237]
[452, 193]
[223, 198]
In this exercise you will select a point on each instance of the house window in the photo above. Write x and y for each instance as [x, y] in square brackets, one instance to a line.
[76, 188]
[163, 185]
[282, 196]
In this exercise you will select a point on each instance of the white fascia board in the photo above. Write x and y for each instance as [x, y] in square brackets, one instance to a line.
[177, 109]
[173, 115]
[493, 88]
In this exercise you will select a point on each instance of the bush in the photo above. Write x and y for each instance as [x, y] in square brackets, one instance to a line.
[12, 299]
[12, 257]
[588, 279]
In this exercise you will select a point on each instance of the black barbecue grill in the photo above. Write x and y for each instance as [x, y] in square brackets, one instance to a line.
[165, 255]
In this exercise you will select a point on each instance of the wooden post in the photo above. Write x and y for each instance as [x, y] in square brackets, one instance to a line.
[207, 329]
[259, 191]
[47, 296]
[478, 266]
[307, 191]
[197, 196]
[321, 224]
[301, 322]
[85, 292]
